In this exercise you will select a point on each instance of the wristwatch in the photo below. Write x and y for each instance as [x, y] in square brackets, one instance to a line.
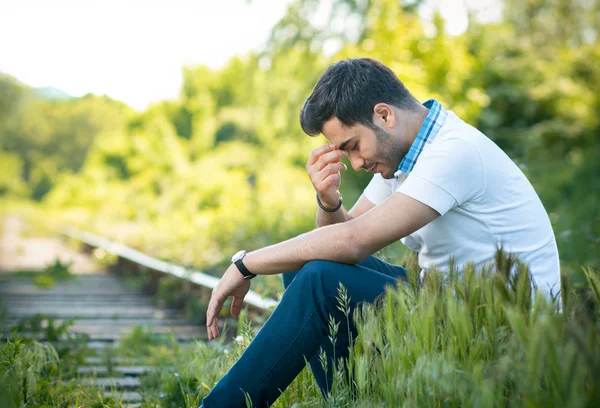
[237, 259]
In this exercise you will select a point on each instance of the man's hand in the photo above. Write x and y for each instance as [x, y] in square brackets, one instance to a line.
[231, 284]
[324, 168]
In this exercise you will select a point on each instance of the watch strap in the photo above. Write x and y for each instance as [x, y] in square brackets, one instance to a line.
[322, 207]
[239, 263]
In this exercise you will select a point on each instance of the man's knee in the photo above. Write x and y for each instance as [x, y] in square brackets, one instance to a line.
[310, 270]
[288, 277]
[316, 271]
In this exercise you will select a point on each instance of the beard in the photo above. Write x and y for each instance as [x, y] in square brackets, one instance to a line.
[390, 151]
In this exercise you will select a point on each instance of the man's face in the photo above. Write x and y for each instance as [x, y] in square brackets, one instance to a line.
[376, 151]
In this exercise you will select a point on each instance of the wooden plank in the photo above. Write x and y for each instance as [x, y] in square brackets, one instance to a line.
[100, 346]
[129, 371]
[117, 323]
[117, 336]
[114, 360]
[97, 312]
[124, 330]
[105, 296]
[119, 383]
[124, 397]
[65, 292]
[44, 304]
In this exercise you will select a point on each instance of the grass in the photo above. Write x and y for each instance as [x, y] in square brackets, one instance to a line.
[474, 338]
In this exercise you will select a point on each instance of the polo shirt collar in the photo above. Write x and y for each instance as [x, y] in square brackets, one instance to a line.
[431, 126]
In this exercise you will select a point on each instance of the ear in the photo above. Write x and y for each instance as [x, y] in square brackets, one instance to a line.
[384, 116]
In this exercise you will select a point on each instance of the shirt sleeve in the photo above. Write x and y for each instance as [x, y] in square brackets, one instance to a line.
[377, 190]
[447, 174]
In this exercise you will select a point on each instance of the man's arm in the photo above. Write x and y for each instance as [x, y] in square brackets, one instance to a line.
[349, 242]
[324, 166]
[361, 206]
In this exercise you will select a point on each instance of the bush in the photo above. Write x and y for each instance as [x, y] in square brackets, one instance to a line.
[476, 339]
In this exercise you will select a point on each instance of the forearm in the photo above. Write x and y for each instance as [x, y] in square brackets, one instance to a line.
[331, 243]
[329, 218]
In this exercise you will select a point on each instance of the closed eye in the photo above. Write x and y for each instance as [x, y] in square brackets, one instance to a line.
[355, 147]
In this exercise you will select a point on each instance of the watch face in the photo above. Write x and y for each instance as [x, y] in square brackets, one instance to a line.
[238, 255]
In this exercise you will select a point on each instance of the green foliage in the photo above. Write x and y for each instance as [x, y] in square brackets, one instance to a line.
[52, 273]
[141, 341]
[11, 183]
[222, 167]
[472, 340]
[31, 373]
[70, 348]
[50, 137]
[20, 369]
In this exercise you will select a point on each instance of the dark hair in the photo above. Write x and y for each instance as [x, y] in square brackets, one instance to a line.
[348, 90]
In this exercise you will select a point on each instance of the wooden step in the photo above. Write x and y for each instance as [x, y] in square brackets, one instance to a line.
[105, 296]
[91, 330]
[109, 383]
[91, 291]
[65, 312]
[124, 397]
[86, 301]
[117, 323]
[127, 371]
[114, 337]
[114, 360]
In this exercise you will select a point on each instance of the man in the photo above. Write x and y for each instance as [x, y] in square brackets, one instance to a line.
[440, 186]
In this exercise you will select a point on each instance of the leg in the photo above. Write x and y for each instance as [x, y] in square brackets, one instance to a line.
[295, 332]
[324, 380]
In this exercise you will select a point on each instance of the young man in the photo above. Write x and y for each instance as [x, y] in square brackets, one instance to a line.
[440, 186]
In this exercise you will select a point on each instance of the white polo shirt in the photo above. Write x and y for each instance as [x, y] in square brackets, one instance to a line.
[484, 200]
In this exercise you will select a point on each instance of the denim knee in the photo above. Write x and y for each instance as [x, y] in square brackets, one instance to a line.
[288, 277]
[309, 268]
[315, 272]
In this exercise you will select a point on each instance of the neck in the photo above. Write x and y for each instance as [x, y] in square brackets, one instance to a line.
[414, 120]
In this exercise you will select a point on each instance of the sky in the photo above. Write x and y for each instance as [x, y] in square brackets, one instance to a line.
[133, 50]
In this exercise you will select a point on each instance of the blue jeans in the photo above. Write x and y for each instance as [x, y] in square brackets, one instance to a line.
[298, 328]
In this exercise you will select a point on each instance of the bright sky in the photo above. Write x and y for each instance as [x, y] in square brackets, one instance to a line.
[133, 50]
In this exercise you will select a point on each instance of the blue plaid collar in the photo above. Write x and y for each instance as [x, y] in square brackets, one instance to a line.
[432, 125]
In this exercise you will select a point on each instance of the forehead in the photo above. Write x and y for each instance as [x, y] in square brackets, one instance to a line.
[337, 133]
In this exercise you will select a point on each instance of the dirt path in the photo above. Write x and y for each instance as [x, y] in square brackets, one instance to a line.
[21, 252]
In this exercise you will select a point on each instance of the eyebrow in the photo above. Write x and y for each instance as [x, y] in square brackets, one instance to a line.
[343, 145]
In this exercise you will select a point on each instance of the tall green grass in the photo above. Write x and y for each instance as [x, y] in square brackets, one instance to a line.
[474, 338]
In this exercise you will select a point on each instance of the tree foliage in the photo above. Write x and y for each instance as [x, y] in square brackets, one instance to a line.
[222, 166]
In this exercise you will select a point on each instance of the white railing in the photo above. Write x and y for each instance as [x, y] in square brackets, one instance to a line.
[125, 252]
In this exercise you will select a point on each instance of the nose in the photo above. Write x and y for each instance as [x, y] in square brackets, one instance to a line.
[356, 161]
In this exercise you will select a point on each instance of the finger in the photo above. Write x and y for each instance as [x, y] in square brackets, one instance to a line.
[330, 157]
[214, 307]
[332, 168]
[209, 332]
[210, 314]
[331, 180]
[236, 306]
[213, 330]
[316, 153]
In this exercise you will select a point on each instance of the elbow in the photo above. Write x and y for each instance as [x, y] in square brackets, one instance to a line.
[358, 256]
[354, 252]
[353, 258]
